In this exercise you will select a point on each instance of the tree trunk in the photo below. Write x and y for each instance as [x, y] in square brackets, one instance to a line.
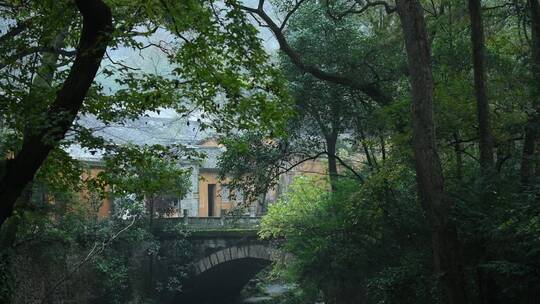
[487, 285]
[372, 161]
[479, 68]
[530, 158]
[95, 35]
[151, 254]
[331, 141]
[151, 212]
[344, 292]
[458, 149]
[446, 250]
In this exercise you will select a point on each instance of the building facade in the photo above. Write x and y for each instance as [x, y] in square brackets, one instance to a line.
[208, 196]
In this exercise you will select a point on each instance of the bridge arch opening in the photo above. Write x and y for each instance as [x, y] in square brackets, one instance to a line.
[220, 276]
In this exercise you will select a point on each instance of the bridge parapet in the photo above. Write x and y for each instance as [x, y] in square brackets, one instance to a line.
[214, 223]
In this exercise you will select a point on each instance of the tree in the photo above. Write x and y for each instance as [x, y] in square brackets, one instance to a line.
[456, 205]
[328, 116]
[410, 148]
[216, 63]
[372, 90]
[67, 253]
[97, 27]
[436, 205]
[146, 174]
[332, 111]
[482, 104]
[484, 125]
[529, 162]
[340, 240]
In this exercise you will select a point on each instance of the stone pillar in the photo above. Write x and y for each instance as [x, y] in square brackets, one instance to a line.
[194, 208]
[186, 216]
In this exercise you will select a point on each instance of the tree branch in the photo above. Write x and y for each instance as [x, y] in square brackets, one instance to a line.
[14, 31]
[342, 162]
[290, 13]
[369, 89]
[29, 51]
[364, 6]
[285, 170]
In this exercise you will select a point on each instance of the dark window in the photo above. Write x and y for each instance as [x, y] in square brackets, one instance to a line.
[211, 198]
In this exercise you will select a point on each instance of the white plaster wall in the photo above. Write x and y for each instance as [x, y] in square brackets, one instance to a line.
[191, 200]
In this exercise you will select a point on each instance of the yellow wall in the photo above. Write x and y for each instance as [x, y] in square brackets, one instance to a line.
[316, 168]
[312, 167]
[105, 207]
[206, 178]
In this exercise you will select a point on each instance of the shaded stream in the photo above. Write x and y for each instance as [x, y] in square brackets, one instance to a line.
[270, 291]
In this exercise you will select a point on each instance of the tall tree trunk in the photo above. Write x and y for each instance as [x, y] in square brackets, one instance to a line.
[341, 291]
[95, 35]
[480, 91]
[458, 149]
[530, 159]
[331, 141]
[151, 212]
[486, 283]
[446, 250]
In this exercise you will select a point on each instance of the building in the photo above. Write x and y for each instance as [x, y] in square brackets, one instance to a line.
[208, 196]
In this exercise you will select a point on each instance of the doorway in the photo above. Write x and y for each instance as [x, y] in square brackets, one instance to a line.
[211, 199]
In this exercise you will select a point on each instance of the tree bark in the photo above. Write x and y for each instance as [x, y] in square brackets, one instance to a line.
[372, 161]
[446, 250]
[480, 90]
[331, 141]
[458, 149]
[97, 27]
[487, 285]
[344, 292]
[530, 158]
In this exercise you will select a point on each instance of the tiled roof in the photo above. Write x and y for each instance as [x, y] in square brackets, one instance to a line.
[144, 131]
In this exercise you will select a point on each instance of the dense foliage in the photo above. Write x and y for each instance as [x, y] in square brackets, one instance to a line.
[366, 239]
[425, 115]
[355, 244]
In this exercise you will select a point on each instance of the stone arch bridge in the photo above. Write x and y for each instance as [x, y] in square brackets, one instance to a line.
[227, 253]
